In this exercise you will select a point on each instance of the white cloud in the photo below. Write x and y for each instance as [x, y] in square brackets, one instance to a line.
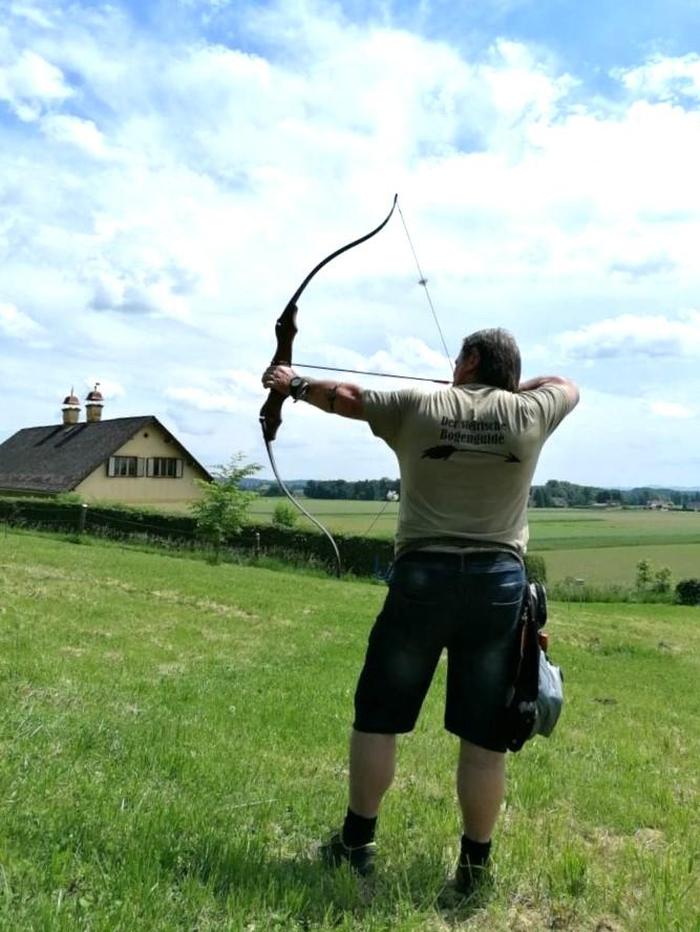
[635, 335]
[202, 400]
[109, 388]
[83, 134]
[670, 409]
[664, 77]
[31, 13]
[30, 82]
[18, 325]
[152, 293]
[243, 382]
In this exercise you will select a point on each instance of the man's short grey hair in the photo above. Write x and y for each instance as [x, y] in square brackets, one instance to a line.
[499, 357]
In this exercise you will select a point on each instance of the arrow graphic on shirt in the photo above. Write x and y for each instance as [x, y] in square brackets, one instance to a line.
[445, 451]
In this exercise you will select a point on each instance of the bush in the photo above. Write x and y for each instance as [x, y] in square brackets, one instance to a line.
[222, 509]
[688, 592]
[644, 572]
[285, 515]
[662, 580]
[536, 568]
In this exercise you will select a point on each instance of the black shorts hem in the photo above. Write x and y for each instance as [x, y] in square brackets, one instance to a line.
[382, 729]
[488, 744]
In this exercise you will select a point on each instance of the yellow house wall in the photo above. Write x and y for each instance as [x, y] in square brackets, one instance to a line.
[143, 490]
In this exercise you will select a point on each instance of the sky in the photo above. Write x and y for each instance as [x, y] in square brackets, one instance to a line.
[170, 172]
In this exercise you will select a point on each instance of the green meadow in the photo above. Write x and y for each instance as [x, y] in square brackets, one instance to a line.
[599, 546]
[174, 743]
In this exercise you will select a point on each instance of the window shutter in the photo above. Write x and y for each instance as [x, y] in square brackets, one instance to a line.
[179, 468]
[140, 466]
[149, 466]
[111, 470]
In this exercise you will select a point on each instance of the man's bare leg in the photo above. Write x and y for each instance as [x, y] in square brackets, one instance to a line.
[372, 765]
[372, 758]
[481, 783]
[481, 786]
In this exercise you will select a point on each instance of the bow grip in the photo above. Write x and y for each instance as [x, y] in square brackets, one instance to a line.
[285, 331]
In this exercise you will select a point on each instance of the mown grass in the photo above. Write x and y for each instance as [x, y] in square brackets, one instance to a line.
[174, 734]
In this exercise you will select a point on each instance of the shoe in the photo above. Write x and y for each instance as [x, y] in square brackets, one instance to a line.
[468, 878]
[335, 852]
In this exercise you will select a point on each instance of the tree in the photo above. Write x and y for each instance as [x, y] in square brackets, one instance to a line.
[644, 571]
[222, 509]
[662, 580]
[284, 515]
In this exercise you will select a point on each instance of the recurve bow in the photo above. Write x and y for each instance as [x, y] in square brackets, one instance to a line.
[271, 411]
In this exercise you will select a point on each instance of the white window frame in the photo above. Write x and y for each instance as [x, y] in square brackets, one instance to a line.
[155, 466]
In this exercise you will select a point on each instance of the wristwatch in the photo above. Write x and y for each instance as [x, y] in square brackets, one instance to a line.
[298, 387]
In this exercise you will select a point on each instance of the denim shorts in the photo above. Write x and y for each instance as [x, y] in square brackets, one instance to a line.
[468, 604]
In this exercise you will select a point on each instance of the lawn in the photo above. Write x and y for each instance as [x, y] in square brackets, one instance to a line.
[173, 738]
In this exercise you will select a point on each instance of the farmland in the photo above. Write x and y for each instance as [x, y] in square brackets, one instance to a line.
[601, 546]
[174, 739]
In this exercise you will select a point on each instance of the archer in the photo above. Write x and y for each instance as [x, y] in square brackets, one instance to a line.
[458, 579]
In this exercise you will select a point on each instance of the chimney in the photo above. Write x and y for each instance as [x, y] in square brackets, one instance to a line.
[94, 404]
[71, 409]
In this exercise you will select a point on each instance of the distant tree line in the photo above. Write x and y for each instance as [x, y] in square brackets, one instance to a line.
[366, 490]
[553, 494]
[556, 493]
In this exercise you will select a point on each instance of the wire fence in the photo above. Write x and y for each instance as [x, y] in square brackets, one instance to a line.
[360, 555]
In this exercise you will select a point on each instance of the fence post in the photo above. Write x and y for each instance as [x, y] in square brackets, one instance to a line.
[82, 515]
[257, 544]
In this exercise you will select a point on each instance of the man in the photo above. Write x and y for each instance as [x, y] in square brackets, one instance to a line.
[467, 455]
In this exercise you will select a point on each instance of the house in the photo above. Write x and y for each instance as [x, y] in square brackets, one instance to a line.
[658, 504]
[131, 460]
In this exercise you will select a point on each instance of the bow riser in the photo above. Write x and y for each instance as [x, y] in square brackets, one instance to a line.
[285, 331]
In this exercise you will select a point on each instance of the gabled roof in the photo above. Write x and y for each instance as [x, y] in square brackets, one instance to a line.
[57, 458]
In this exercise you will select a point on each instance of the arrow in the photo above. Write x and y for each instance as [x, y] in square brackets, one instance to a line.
[384, 375]
[445, 451]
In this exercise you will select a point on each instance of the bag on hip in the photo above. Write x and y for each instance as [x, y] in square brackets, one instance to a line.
[537, 694]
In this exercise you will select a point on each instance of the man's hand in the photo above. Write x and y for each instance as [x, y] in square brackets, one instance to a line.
[278, 378]
[333, 397]
[570, 388]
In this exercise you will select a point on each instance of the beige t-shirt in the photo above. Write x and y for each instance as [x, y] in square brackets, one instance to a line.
[467, 455]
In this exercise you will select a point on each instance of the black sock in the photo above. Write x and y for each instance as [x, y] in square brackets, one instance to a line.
[358, 830]
[474, 853]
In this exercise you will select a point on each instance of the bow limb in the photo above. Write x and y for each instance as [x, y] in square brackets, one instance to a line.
[297, 503]
[285, 330]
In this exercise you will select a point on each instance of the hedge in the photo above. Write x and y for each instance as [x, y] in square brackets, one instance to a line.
[363, 556]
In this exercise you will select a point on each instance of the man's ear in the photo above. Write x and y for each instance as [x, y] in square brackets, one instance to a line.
[472, 361]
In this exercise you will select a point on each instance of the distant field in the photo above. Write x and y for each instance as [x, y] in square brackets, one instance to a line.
[174, 738]
[345, 517]
[618, 564]
[549, 527]
[600, 546]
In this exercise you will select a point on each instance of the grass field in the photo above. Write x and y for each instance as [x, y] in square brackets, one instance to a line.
[600, 546]
[173, 741]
